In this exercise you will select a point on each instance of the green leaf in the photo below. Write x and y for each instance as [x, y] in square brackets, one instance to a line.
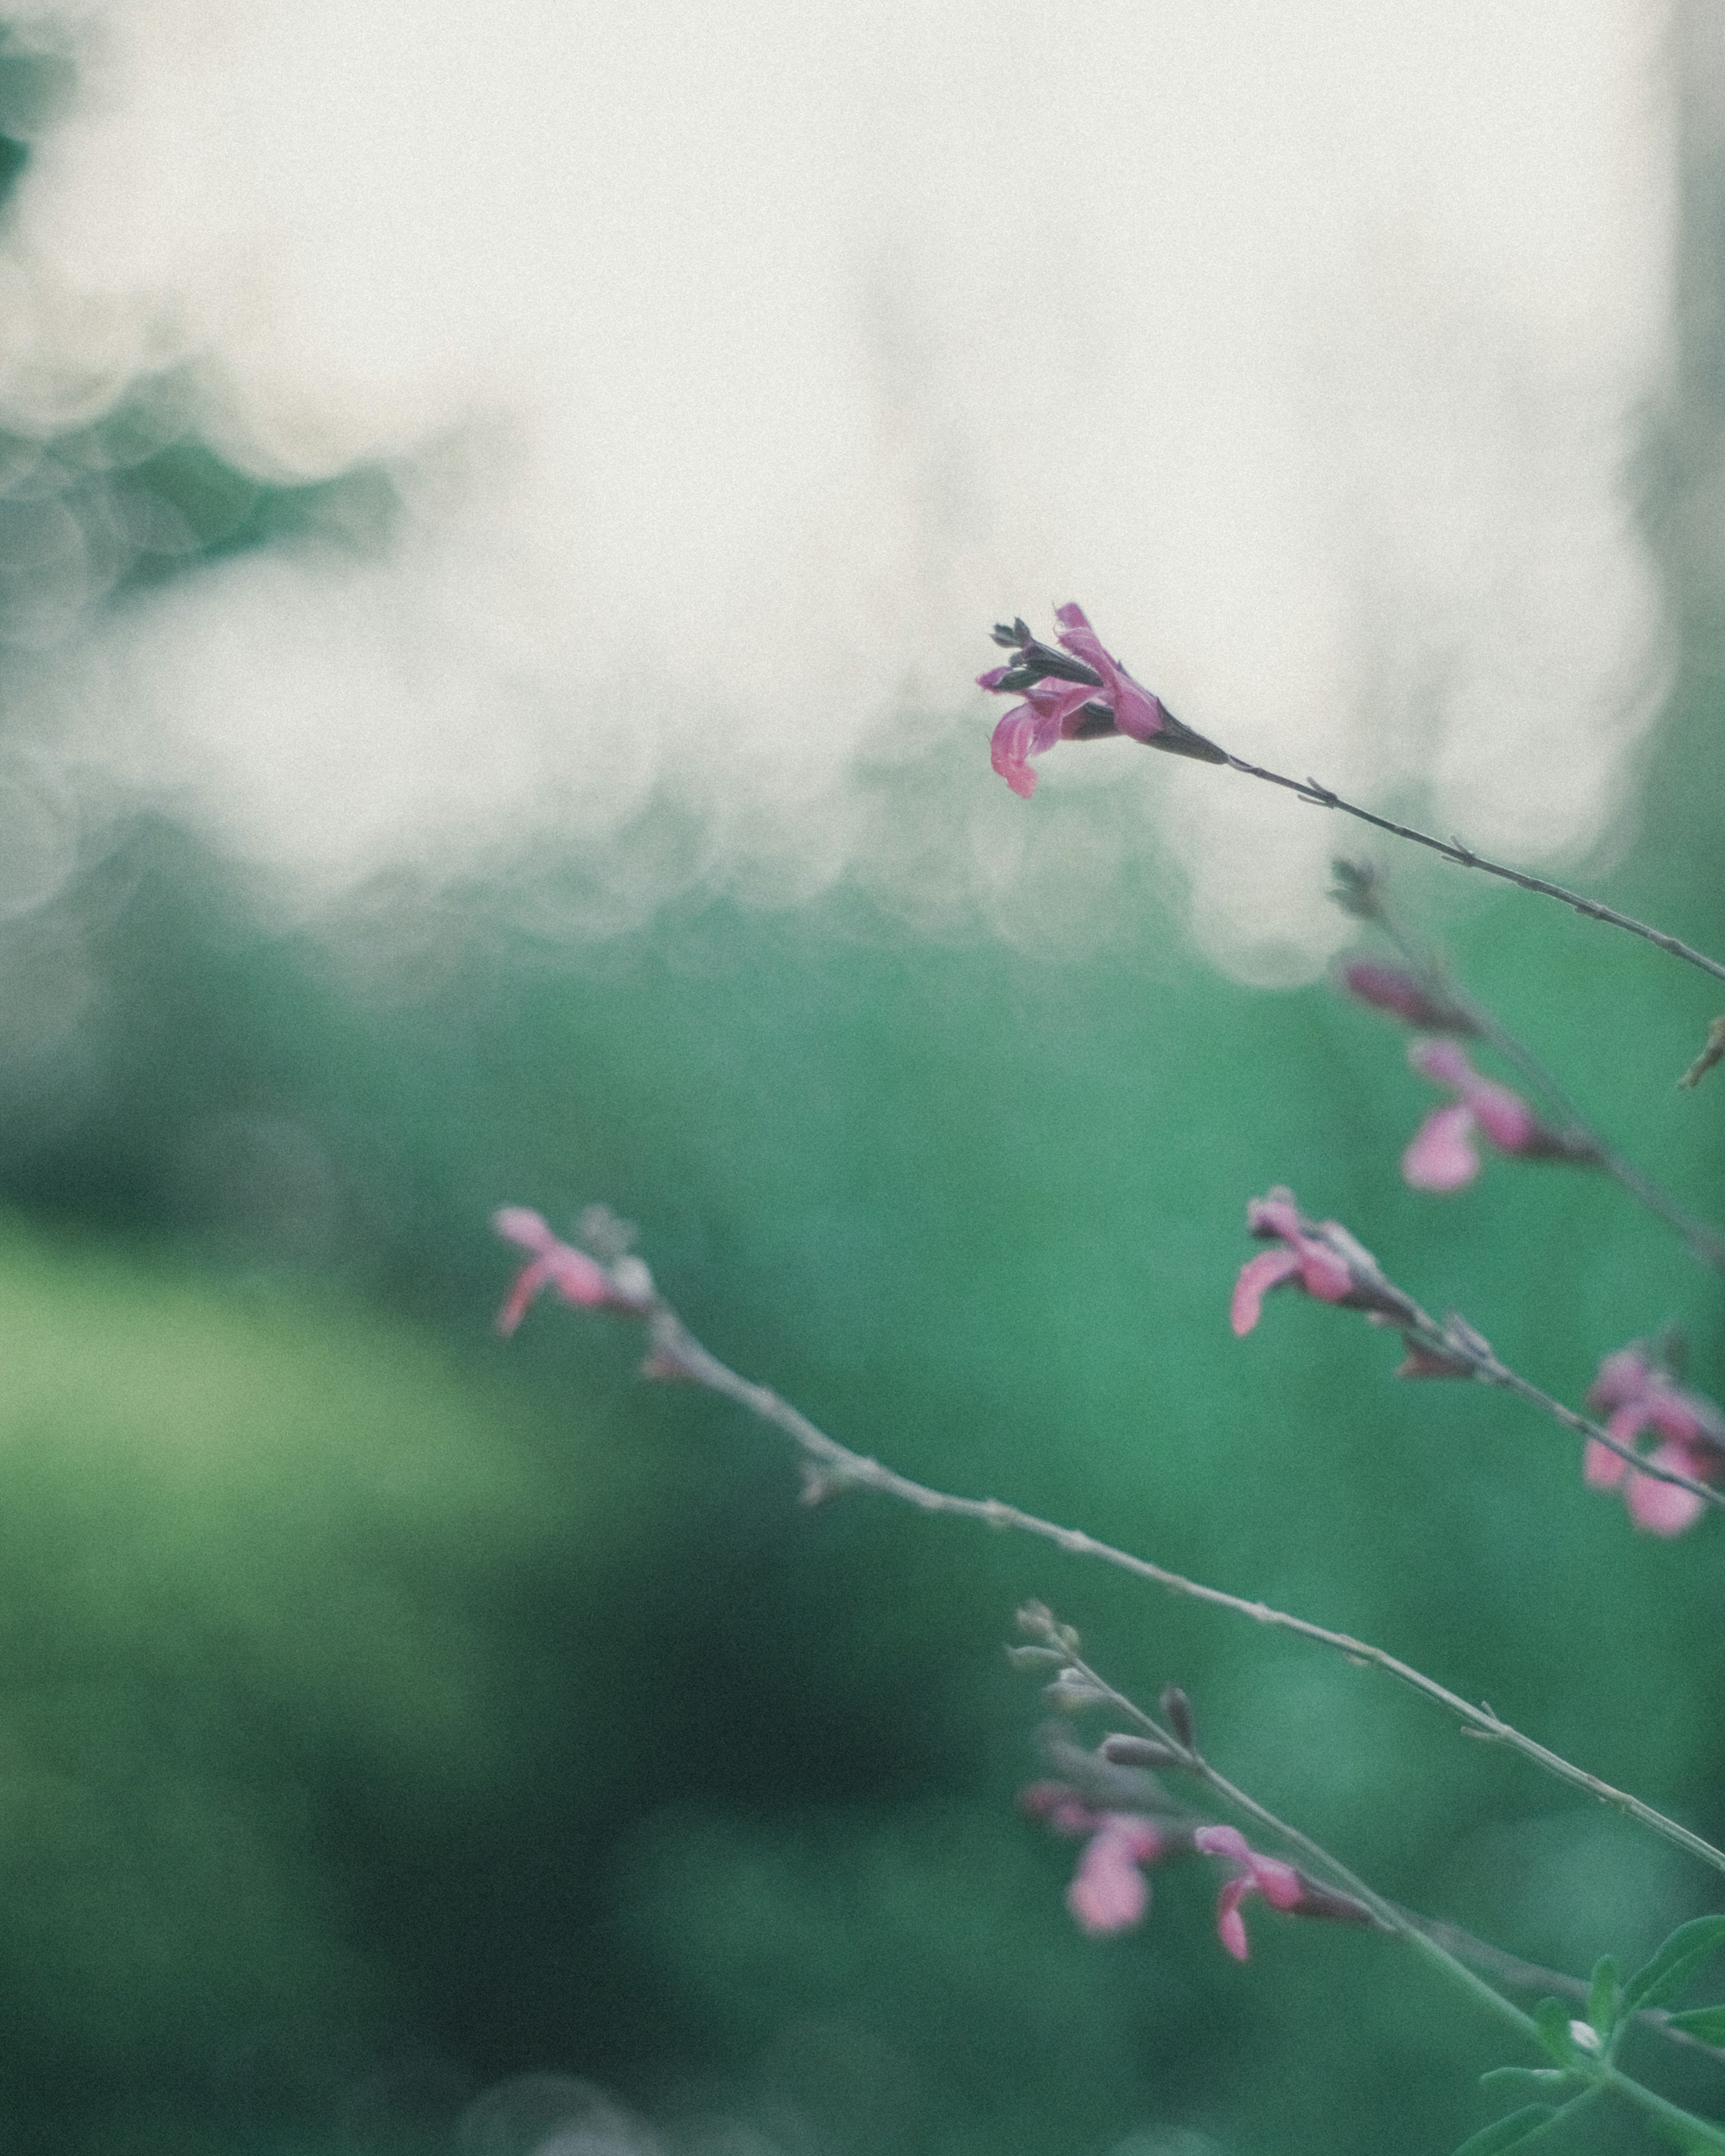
[1553, 2016]
[1509, 2133]
[1602, 1997]
[1706, 2022]
[1524, 2081]
[1663, 1978]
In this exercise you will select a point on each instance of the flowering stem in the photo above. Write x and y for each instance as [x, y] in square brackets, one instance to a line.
[1385, 1914]
[1702, 1241]
[1452, 850]
[1456, 1344]
[829, 1467]
[1596, 2075]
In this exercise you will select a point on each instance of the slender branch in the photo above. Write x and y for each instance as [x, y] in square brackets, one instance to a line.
[1702, 1241]
[1452, 850]
[829, 1467]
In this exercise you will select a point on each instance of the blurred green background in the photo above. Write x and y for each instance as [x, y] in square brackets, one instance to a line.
[391, 1713]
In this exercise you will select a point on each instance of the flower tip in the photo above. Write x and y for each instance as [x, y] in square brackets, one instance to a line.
[1441, 1155]
[520, 1225]
[1257, 1277]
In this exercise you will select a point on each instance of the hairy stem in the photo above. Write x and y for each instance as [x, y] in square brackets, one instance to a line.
[829, 1467]
[1452, 850]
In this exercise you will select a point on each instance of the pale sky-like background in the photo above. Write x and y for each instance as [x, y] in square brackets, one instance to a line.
[740, 365]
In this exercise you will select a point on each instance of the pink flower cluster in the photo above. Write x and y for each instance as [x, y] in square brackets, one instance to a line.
[1637, 1395]
[1109, 1891]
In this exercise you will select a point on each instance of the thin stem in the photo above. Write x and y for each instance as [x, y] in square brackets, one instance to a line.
[1531, 1976]
[1702, 1241]
[1452, 850]
[830, 1467]
[1693, 2129]
[1455, 1346]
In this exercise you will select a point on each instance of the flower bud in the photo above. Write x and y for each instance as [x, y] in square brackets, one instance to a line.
[1139, 1752]
[1177, 1713]
[1404, 996]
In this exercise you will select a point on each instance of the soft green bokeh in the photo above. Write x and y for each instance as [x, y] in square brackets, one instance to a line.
[397, 1711]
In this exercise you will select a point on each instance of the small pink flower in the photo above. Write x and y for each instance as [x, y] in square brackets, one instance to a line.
[1283, 1887]
[557, 1266]
[1443, 1155]
[1638, 1395]
[1086, 694]
[1317, 1256]
[1109, 1891]
[1279, 1883]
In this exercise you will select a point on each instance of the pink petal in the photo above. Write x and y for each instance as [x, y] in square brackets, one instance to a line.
[1441, 1059]
[1257, 1277]
[577, 1277]
[1230, 1925]
[525, 1285]
[1661, 1508]
[1441, 1156]
[1274, 1214]
[1504, 1117]
[1624, 1376]
[1279, 1883]
[1676, 1415]
[1322, 1272]
[1108, 1892]
[1135, 710]
[991, 679]
[1222, 1841]
[517, 1224]
[1601, 1468]
[1023, 733]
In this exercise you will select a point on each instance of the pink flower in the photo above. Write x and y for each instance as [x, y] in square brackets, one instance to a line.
[1317, 1256]
[1109, 1891]
[568, 1272]
[1443, 1155]
[1638, 1395]
[1051, 712]
[1080, 692]
[1283, 1887]
[1403, 996]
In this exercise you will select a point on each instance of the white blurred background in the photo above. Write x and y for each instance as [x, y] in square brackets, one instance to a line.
[737, 367]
